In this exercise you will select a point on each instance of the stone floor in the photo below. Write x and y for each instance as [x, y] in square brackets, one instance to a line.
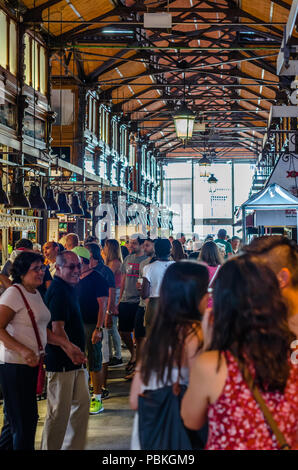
[109, 430]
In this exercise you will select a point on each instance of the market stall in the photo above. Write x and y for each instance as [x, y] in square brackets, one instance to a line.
[274, 207]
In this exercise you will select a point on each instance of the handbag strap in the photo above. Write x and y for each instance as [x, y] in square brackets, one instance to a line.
[261, 402]
[214, 276]
[31, 315]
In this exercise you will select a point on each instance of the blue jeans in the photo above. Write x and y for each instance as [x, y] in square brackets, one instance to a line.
[114, 338]
[18, 383]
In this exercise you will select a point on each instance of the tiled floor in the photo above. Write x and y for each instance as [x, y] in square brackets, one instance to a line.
[110, 429]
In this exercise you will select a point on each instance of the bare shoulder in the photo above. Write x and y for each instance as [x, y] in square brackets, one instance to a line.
[115, 265]
[208, 363]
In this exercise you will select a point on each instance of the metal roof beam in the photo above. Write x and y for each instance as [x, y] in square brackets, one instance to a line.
[109, 65]
[35, 14]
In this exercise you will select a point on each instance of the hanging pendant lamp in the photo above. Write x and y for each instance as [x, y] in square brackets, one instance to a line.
[212, 179]
[204, 161]
[75, 205]
[184, 122]
[17, 197]
[3, 196]
[64, 207]
[35, 198]
[184, 118]
[85, 207]
[50, 200]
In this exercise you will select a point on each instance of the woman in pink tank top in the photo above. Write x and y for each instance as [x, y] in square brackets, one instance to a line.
[113, 259]
[211, 255]
[250, 324]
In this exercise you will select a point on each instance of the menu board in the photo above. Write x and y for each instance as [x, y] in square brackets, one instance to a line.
[53, 230]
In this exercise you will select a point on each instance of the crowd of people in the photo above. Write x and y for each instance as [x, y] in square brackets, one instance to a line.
[206, 316]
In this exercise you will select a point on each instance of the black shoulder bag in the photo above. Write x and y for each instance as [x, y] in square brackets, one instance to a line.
[160, 424]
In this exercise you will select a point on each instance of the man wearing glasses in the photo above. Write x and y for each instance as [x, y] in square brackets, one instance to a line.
[67, 392]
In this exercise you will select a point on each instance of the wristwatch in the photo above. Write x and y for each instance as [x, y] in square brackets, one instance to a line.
[99, 328]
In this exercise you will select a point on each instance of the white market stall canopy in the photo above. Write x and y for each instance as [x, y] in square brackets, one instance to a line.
[273, 197]
[270, 199]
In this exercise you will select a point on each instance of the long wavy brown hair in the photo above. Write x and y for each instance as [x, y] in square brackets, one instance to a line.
[183, 287]
[250, 320]
[210, 254]
[177, 251]
[113, 251]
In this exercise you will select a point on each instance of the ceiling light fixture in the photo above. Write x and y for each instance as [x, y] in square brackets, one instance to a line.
[184, 119]
[212, 179]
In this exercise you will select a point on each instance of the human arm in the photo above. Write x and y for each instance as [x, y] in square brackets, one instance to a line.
[111, 299]
[97, 334]
[145, 292]
[58, 329]
[122, 286]
[207, 328]
[73, 352]
[193, 345]
[29, 356]
[114, 267]
[194, 404]
[206, 383]
[229, 250]
[136, 388]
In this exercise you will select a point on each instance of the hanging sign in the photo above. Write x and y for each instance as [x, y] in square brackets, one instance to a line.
[279, 218]
[53, 230]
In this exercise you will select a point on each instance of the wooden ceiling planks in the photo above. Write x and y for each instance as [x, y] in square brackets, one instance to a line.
[124, 84]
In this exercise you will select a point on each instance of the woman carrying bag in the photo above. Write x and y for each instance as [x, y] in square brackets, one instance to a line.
[172, 345]
[23, 336]
[245, 384]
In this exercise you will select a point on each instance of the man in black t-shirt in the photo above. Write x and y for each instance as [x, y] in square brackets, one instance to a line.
[93, 294]
[67, 391]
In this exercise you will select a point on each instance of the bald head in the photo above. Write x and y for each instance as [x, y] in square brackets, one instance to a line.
[71, 241]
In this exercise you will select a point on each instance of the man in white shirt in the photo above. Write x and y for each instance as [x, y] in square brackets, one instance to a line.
[50, 251]
[153, 274]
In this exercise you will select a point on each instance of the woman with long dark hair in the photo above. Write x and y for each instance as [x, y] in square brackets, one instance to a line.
[175, 337]
[210, 254]
[177, 251]
[249, 334]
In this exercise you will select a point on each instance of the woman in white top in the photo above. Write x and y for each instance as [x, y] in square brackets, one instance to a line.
[19, 352]
[153, 274]
[175, 337]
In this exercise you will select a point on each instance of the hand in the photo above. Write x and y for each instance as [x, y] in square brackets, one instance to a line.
[115, 310]
[108, 321]
[29, 357]
[75, 354]
[139, 286]
[207, 328]
[96, 336]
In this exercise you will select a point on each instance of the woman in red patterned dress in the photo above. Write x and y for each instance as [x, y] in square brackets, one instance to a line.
[250, 324]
